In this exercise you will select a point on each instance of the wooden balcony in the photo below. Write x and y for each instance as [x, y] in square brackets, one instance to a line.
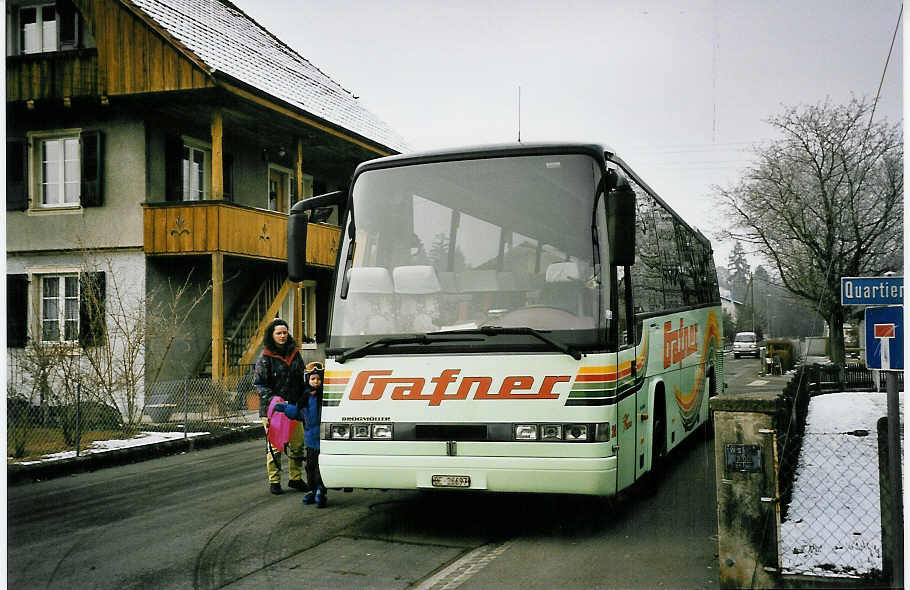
[207, 227]
[54, 75]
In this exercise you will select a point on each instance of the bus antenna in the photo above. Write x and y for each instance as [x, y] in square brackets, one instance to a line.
[519, 113]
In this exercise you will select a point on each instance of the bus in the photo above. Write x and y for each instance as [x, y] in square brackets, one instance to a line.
[516, 318]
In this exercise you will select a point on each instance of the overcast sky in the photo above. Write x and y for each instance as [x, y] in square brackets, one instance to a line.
[680, 90]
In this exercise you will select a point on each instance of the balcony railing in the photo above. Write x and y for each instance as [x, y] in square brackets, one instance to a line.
[205, 227]
[58, 74]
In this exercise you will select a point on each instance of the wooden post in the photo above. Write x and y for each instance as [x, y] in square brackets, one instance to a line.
[218, 369]
[298, 313]
[217, 155]
[298, 300]
[298, 173]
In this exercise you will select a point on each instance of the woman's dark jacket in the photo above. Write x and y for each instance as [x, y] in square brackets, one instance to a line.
[279, 375]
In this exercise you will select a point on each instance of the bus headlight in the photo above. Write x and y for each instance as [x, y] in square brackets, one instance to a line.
[526, 432]
[361, 431]
[340, 431]
[382, 431]
[576, 432]
[551, 432]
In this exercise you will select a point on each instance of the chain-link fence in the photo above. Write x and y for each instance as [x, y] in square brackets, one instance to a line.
[43, 423]
[829, 475]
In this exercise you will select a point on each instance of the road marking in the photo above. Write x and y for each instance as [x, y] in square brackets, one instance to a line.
[458, 572]
[758, 382]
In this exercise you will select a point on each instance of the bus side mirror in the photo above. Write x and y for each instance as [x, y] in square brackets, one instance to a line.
[300, 216]
[297, 226]
[621, 224]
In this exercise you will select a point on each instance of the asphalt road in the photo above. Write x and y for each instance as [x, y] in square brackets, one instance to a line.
[205, 520]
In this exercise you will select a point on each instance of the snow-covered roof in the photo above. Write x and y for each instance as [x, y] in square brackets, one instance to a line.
[228, 41]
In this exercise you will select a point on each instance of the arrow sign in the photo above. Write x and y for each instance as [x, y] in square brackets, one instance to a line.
[884, 337]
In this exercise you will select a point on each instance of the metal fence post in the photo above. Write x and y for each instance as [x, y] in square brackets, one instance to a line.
[78, 417]
[186, 405]
[894, 472]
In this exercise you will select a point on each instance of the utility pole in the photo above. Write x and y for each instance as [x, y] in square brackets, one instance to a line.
[752, 296]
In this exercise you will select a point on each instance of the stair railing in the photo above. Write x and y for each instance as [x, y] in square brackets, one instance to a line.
[243, 342]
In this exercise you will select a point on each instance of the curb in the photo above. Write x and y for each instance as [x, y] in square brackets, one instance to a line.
[16, 473]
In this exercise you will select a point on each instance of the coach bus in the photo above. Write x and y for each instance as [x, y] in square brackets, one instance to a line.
[523, 318]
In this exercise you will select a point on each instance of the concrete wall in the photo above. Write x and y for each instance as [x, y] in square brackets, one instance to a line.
[184, 351]
[124, 306]
[118, 223]
[748, 509]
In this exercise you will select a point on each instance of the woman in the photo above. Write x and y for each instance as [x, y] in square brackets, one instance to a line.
[280, 372]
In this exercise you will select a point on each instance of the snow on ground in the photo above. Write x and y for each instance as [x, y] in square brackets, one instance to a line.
[101, 446]
[833, 525]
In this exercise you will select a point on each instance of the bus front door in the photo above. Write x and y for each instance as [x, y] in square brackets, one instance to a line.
[626, 433]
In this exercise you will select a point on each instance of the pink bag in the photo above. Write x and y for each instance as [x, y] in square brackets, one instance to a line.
[280, 426]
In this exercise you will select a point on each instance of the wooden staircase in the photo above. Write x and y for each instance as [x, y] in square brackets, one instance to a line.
[243, 331]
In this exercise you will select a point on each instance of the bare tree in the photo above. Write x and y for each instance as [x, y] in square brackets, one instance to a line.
[124, 321]
[823, 202]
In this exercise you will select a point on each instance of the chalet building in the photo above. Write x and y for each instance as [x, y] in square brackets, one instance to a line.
[157, 145]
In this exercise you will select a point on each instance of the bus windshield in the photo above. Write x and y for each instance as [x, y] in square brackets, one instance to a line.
[465, 245]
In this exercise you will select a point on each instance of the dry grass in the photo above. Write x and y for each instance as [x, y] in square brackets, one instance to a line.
[33, 443]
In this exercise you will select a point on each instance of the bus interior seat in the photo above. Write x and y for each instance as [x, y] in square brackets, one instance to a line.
[417, 288]
[369, 307]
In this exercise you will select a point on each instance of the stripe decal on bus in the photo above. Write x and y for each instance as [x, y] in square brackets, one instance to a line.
[336, 382]
[603, 385]
[690, 402]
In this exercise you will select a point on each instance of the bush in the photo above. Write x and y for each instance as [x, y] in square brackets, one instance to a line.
[19, 416]
[93, 415]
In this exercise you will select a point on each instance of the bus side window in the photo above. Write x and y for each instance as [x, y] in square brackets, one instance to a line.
[621, 312]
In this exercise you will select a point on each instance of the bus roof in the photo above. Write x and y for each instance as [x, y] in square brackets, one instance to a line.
[482, 151]
[595, 150]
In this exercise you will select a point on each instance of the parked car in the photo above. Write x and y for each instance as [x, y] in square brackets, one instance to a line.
[745, 344]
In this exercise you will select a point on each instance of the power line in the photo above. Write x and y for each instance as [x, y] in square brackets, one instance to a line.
[884, 70]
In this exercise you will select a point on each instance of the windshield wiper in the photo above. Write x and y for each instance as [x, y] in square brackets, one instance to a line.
[497, 330]
[410, 339]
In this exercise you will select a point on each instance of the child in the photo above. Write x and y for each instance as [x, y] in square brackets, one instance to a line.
[310, 412]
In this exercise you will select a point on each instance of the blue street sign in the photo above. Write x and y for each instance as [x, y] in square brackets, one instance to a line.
[885, 337]
[872, 290]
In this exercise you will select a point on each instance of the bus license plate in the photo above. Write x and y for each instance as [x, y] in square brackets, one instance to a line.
[451, 481]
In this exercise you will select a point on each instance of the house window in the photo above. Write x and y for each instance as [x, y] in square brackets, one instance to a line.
[59, 172]
[59, 308]
[48, 27]
[197, 177]
[64, 170]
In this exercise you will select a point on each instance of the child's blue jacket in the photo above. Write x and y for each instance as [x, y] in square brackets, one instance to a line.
[311, 410]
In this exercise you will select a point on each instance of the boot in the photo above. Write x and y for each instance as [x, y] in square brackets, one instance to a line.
[321, 499]
[299, 485]
[309, 498]
[275, 488]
